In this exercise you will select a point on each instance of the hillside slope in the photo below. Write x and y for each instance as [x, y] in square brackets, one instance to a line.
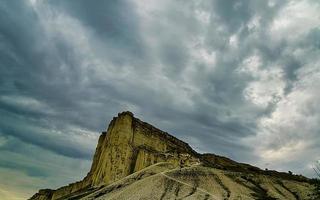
[134, 160]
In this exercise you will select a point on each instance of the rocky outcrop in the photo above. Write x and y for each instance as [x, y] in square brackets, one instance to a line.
[130, 145]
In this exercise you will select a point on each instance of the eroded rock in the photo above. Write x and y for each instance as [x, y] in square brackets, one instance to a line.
[130, 145]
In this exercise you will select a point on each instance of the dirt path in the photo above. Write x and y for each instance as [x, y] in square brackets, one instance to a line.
[187, 184]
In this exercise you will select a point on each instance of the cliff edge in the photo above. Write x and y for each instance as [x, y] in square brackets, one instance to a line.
[130, 146]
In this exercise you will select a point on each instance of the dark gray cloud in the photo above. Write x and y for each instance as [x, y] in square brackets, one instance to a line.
[235, 78]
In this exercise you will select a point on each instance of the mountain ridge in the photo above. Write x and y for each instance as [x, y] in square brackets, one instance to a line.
[130, 145]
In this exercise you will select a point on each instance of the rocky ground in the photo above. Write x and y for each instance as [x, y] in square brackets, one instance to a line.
[165, 181]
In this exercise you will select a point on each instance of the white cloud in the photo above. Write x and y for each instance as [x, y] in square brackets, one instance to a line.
[201, 55]
[290, 133]
[268, 84]
[254, 23]
[295, 19]
[234, 41]
[203, 16]
[26, 103]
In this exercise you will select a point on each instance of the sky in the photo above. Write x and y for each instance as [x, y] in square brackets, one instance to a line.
[238, 78]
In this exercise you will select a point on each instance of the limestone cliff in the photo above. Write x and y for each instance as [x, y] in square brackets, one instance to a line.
[129, 146]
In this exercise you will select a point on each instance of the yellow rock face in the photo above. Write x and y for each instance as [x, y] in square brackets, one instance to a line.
[130, 145]
[115, 154]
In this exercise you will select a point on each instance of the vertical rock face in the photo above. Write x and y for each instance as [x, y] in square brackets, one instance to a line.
[114, 153]
[128, 146]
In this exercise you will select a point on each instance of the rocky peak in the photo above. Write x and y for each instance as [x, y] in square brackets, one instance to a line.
[128, 146]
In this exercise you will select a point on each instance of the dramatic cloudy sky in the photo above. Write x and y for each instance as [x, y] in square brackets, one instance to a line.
[240, 78]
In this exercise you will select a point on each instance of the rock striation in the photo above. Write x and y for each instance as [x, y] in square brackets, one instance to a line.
[130, 146]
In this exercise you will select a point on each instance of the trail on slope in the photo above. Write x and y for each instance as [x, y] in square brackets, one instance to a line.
[187, 184]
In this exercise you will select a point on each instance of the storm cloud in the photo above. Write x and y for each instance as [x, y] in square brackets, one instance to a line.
[238, 78]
